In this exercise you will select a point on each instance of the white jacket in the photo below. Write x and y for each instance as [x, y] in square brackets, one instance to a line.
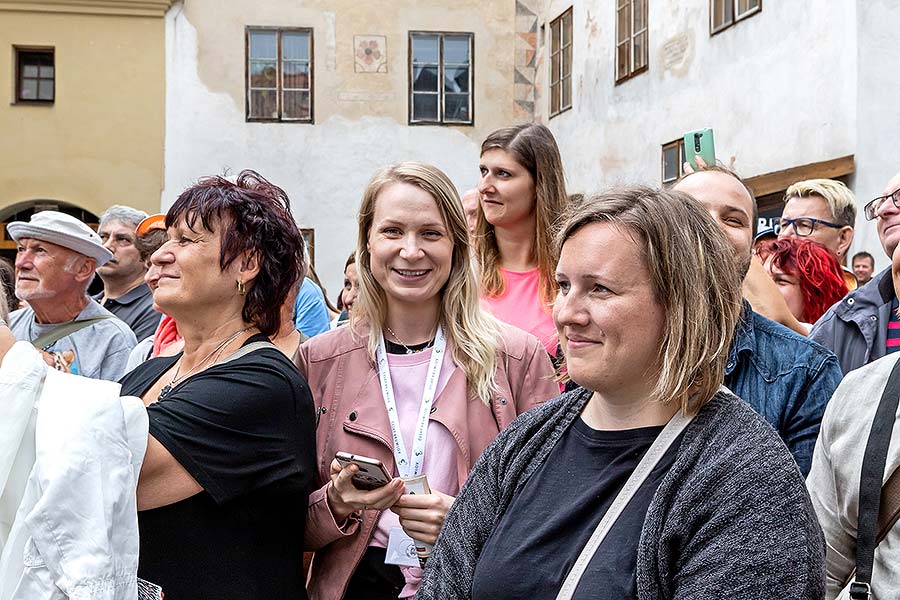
[75, 532]
[833, 481]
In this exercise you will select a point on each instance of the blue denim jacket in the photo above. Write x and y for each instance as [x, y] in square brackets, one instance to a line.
[785, 377]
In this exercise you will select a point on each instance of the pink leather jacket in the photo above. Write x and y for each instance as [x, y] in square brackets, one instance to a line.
[352, 418]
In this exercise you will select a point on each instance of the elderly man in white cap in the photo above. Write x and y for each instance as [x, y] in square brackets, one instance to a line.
[57, 256]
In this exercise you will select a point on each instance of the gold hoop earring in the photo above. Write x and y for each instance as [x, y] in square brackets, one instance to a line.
[242, 290]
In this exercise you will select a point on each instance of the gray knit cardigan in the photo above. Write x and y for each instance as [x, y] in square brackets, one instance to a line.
[731, 518]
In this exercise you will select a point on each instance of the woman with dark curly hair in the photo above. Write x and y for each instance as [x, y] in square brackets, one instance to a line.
[230, 458]
[807, 274]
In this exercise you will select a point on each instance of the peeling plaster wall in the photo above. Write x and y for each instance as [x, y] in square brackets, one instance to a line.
[779, 89]
[776, 70]
[360, 118]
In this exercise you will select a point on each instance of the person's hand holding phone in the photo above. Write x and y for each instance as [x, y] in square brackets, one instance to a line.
[688, 168]
[422, 515]
[344, 498]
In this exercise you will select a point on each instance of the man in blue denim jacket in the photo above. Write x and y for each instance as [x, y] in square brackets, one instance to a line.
[785, 377]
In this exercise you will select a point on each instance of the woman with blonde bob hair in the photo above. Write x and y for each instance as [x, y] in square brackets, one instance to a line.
[651, 481]
[422, 380]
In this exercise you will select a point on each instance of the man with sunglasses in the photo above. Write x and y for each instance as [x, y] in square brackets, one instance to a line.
[823, 210]
[864, 326]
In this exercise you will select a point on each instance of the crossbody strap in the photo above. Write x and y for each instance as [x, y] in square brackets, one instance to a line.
[245, 350]
[57, 333]
[890, 505]
[870, 485]
[659, 447]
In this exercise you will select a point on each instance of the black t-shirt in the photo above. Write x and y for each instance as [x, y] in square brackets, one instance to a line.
[245, 431]
[550, 520]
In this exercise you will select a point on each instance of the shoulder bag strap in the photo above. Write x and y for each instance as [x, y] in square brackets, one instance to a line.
[58, 333]
[870, 485]
[245, 350]
[890, 505]
[662, 443]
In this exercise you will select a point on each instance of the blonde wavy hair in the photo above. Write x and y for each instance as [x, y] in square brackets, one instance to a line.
[535, 149]
[688, 258]
[473, 335]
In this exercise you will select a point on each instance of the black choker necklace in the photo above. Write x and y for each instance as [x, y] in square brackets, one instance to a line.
[394, 348]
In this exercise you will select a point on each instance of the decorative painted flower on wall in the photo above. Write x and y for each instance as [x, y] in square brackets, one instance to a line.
[370, 54]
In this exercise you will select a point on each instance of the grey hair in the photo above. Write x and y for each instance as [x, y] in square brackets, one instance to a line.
[123, 214]
[73, 263]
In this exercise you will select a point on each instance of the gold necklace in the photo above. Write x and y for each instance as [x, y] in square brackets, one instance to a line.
[408, 349]
[176, 380]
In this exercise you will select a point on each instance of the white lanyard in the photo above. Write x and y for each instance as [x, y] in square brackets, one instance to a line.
[410, 466]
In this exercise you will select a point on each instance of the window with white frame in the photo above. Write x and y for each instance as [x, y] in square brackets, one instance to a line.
[440, 78]
[279, 74]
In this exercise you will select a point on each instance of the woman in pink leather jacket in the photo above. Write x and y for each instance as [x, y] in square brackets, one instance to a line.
[422, 380]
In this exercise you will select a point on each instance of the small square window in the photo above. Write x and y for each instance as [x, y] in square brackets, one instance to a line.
[35, 75]
[725, 13]
[672, 161]
[440, 78]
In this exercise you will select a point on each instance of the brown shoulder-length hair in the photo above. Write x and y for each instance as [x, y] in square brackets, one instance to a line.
[533, 147]
[694, 277]
[255, 217]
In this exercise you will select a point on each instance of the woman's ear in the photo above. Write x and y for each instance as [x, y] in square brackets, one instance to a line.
[249, 267]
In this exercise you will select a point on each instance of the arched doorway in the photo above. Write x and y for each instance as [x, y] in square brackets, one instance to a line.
[22, 211]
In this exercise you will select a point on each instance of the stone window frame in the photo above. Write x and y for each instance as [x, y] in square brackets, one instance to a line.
[679, 145]
[628, 37]
[441, 120]
[560, 56]
[740, 10]
[280, 61]
[38, 54]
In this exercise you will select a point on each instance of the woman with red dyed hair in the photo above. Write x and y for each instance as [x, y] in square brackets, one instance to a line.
[807, 274]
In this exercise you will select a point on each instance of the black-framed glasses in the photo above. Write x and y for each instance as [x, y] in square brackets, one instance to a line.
[871, 208]
[803, 226]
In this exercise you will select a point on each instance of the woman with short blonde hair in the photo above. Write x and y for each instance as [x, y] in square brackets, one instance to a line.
[422, 380]
[652, 480]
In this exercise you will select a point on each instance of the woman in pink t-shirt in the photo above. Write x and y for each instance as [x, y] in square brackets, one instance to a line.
[523, 193]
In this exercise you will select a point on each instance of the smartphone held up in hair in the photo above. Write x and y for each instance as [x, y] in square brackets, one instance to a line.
[372, 473]
[700, 143]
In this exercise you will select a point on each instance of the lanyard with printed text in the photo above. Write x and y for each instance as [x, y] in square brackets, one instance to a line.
[410, 466]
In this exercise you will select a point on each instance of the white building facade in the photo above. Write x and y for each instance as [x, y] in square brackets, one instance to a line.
[318, 95]
[793, 90]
